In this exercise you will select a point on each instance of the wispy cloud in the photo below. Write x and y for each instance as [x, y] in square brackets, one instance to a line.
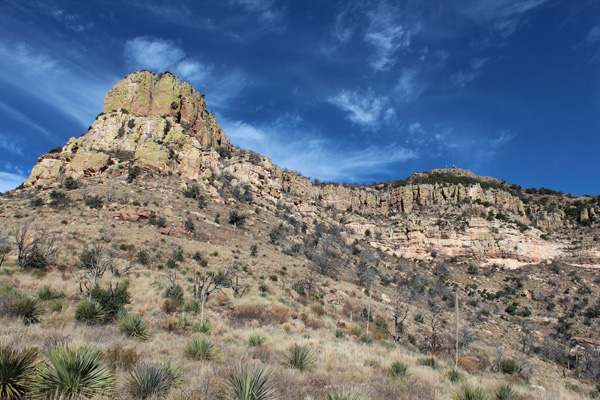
[503, 16]
[160, 55]
[461, 78]
[11, 143]
[410, 84]
[19, 116]
[594, 34]
[71, 89]
[10, 180]
[313, 155]
[269, 15]
[363, 108]
[386, 35]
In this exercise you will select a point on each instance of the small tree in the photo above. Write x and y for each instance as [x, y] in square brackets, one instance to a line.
[4, 245]
[207, 283]
[399, 315]
[34, 248]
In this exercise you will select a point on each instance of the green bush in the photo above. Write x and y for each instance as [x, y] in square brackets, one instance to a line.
[250, 383]
[201, 348]
[17, 370]
[454, 375]
[427, 362]
[508, 366]
[152, 380]
[202, 327]
[174, 293]
[112, 302]
[90, 312]
[70, 183]
[365, 338]
[132, 173]
[398, 370]
[46, 293]
[73, 373]
[25, 307]
[505, 392]
[470, 393]
[256, 339]
[300, 357]
[134, 326]
[94, 202]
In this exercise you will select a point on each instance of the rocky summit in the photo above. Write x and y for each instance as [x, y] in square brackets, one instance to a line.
[175, 266]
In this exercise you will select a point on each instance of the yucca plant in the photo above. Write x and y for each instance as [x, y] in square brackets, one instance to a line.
[300, 357]
[152, 380]
[201, 348]
[505, 392]
[46, 293]
[470, 393]
[73, 373]
[454, 375]
[249, 383]
[90, 312]
[17, 369]
[256, 339]
[134, 326]
[202, 327]
[27, 308]
[343, 395]
[398, 370]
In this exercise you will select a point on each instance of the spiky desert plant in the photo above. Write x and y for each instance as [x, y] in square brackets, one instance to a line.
[202, 327]
[74, 373]
[89, 311]
[470, 393]
[454, 375]
[27, 308]
[46, 293]
[398, 370]
[256, 339]
[201, 348]
[17, 369]
[249, 383]
[505, 392]
[343, 395]
[300, 357]
[133, 325]
[152, 380]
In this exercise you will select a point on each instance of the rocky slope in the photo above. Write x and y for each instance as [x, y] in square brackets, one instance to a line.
[161, 125]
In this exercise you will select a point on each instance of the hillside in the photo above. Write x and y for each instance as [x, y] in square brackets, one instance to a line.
[153, 204]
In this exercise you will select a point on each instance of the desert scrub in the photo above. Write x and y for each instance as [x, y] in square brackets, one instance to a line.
[470, 393]
[505, 392]
[152, 380]
[300, 357]
[249, 383]
[202, 327]
[73, 373]
[256, 339]
[27, 308]
[398, 370]
[46, 293]
[427, 362]
[90, 312]
[17, 370]
[201, 348]
[133, 325]
[345, 394]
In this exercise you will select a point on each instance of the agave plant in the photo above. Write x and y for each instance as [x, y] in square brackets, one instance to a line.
[74, 373]
[89, 311]
[201, 348]
[134, 326]
[470, 393]
[250, 383]
[505, 392]
[17, 369]
[256, 339]
[27, 308]
[300, 357]
[398, 370]
[202, 327]
[152, 380]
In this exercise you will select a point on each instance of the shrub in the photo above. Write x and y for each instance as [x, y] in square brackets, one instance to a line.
[250, 383]
[300, 357]
[122, 357]
[132, 173]
[112, 302]
[189, 225]
[343, 395]
[365, 338]
[191, 306]
[70, 183]
[143, 257]
[73, 372]
[470, 393]
[202, 327]
[152, 380]
[134, 326]
[256, 339]
[193, 192]
[201, 348]
[174, 293]
[58, 199]
[89, 311]
[236, 219]
[223, 152]
[36, 202]
[505, 392]
[94, 202]
[454, 375]
[27, 308]
[55, 150]
[17, 370]
[46, 293]
[508, 366]
[427, 362]
[398, 370]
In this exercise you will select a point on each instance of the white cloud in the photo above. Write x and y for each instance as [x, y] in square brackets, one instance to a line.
[594, 34]
[269, 16]
[72, 90]
[161, 55]
[19, 116]
[10, 180]
[363, 108]
[410, 85]
[311, 154]
[386, 35]
[10, 143]
[461, 78]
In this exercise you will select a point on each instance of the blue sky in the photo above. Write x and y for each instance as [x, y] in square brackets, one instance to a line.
[349, 91]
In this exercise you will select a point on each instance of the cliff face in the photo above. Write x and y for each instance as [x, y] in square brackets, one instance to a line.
[161, 125]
